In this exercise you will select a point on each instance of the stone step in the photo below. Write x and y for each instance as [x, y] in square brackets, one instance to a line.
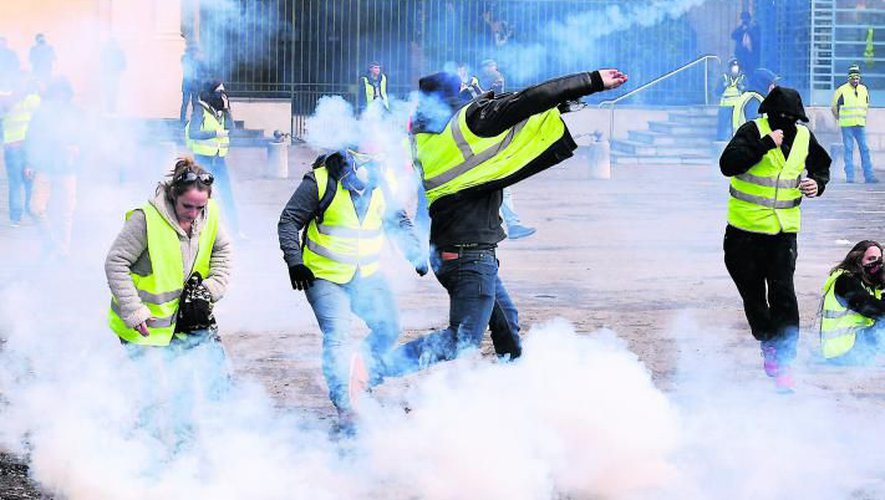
[703, 120]
[657, 138]
[642, 149]
[682, 129]
[620, 159]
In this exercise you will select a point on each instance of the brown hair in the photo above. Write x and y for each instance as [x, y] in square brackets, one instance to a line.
[852, 262]
[175, 189]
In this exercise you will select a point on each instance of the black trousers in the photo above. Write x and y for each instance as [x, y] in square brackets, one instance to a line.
[762, 267]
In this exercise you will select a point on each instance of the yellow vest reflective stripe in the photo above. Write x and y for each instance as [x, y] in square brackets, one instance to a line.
[457, 159]
[739, 113]
[853, 111]
[17, 119]
[370, 90]
[732, 93]
[838, 324]
[341, 244]
[160, 290]
[766, 198]
[213, 146]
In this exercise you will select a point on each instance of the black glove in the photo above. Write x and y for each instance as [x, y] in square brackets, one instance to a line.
[195, 307]
[421, 269]
[301, 277]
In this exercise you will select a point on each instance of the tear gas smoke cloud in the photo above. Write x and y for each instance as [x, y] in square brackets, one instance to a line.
[577, 35]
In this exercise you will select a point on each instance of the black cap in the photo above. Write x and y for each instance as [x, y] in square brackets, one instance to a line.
[784, 100]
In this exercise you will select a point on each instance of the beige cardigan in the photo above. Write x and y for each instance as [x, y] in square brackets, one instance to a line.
[129, 254]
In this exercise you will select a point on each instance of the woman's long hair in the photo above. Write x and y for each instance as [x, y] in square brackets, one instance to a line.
[852, 262]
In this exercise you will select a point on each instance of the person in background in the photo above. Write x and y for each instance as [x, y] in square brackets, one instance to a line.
[746, 43]
[373, 87]
[9, 63]
[492, 78]
[470, 87]
[16, 116]
[42, 58]
[851, 102]
[765, 161]
[191, 79]
[113, 64]
[731, 86]
[52, 150]
[208, 137]
[852, 307]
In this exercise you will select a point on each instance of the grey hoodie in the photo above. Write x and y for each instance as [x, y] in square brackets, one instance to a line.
[129, 253]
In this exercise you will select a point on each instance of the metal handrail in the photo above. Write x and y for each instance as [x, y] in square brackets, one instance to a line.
[702, 59]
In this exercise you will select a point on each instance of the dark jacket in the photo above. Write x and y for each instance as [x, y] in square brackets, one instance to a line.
[747, 148]
[851, 291]
[472, 217]
[302, 208]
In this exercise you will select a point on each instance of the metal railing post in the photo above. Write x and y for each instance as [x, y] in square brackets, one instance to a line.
[612, 102]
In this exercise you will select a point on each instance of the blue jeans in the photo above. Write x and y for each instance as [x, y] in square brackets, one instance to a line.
[508, 211]
[477, 300]
[859, 134]
[372, 301]
[724, 123]
[180, 377]
[221, 187]
[14, 157]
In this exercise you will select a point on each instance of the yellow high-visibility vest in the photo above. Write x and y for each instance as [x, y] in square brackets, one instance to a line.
[766, 198]
[370, 90]
[18, 118]
[213, 146]
[161, 289]
[739, 114]
[339, 246]
[838, 324]
[457, 159]
[732, 92]
[855, 103]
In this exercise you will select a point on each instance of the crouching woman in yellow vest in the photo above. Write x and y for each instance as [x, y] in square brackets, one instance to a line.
[168, 266]
[852, 306]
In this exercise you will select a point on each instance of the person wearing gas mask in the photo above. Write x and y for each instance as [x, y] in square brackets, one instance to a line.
[208, 137]
[765, 161]
[852, 306]
[344, 208]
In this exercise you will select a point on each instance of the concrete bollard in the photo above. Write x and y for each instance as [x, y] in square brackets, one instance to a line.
[595, 155]
[278, 156]
[600, 159]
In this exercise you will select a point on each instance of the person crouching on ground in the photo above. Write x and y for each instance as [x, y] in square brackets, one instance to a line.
[852, 306]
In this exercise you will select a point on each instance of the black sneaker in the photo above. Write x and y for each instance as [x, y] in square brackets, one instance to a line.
[872, 180]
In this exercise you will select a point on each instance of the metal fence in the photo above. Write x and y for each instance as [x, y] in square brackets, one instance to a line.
[302, 49]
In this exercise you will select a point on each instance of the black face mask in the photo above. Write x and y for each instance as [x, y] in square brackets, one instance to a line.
[873, 269]
[216, 100]
[785, 123]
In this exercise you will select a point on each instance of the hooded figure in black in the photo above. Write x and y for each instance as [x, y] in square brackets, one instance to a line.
[761, 263]
[465, 226]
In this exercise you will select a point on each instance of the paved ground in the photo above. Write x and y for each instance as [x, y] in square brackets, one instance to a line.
[639, 254]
